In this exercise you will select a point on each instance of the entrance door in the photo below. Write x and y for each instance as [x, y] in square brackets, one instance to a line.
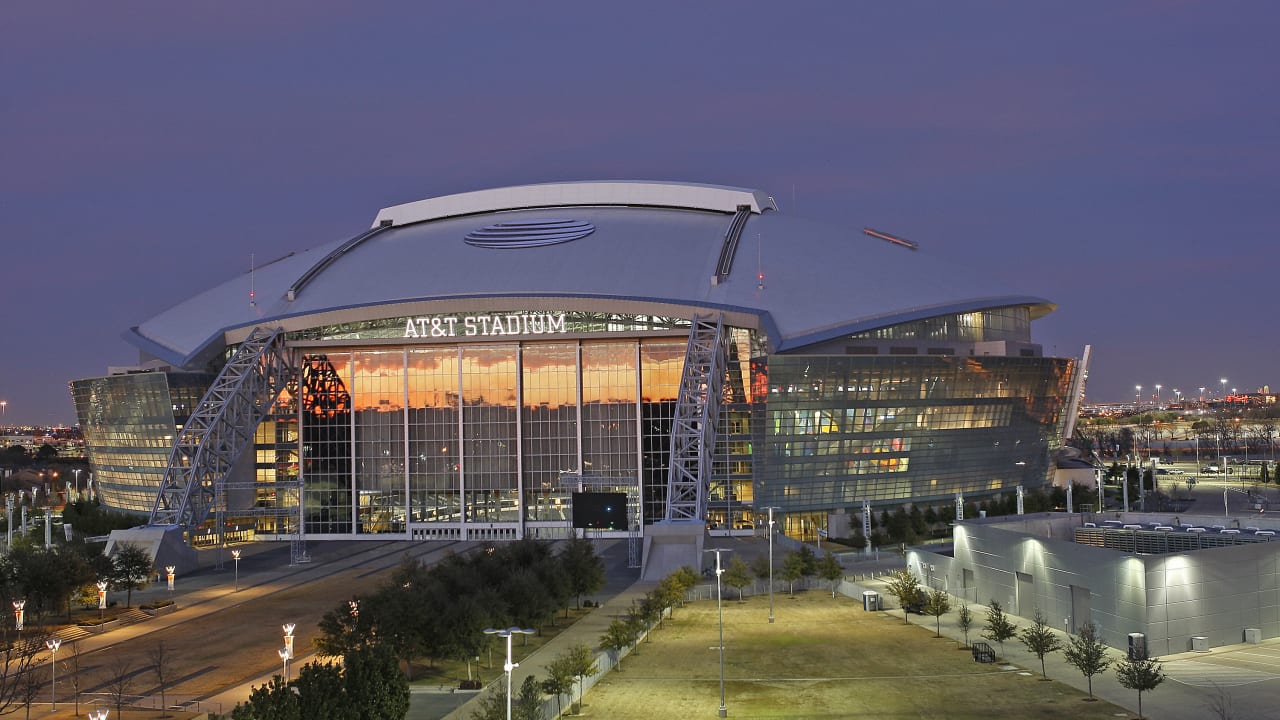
[1080, 607]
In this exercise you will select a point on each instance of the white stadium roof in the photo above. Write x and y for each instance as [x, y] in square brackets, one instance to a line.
[618, 246]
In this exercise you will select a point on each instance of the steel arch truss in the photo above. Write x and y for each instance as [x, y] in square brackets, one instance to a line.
[693, 430]
[220, 429]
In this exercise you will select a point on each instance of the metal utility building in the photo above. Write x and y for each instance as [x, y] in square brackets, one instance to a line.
[460, 368]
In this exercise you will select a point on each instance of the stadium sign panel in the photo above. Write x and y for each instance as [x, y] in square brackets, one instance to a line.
[484, 325]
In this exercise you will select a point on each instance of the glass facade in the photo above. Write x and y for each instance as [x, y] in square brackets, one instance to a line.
[839, 430]
[129, 422]
[495, 436]
[451, 439]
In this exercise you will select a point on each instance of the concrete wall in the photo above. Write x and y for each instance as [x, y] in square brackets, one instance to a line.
[1029, 563]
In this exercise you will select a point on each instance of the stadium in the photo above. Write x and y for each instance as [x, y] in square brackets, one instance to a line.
[468, 364]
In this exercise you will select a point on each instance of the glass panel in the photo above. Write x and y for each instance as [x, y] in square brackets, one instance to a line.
[489, 418]
[378, 399]
[549, 415]
[434, 467]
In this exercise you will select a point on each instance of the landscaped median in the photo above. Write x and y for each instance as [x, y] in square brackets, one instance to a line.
[821, 658]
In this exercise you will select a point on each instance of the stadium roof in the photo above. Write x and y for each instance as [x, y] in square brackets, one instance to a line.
[615, 247]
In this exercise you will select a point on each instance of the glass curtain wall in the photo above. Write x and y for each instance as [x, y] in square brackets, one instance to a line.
[435, 480]
[549, 417]
[378, 399]
[839, 430]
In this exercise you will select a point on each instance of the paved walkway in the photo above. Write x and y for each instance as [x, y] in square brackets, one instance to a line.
[623, 588]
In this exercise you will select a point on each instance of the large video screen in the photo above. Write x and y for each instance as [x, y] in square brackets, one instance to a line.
[600, 511]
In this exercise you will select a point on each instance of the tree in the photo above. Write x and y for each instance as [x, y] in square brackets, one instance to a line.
[1086, 653]
[905, 588]
[583, 664]
[737, 575]
[16, 663]
[560, 678]
[964, 619]
[937, 603]
[760, 567]
[1040, 639]
[131, 567]
[272, 701]
[829, 569]
[584, 568]
[999, 627]
[375, 684]
[71, 670]
[322, 693]
[1141, 675]
[618, 637]
[527, 705]
[120, 677]
[162, 667]
[792, 570]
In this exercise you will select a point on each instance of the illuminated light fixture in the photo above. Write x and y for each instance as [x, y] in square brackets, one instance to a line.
[529, 234]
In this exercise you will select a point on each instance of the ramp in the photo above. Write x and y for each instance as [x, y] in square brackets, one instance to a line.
[668, 546]
[165, 544]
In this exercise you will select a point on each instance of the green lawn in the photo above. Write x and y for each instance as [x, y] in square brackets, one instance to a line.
[821, 658]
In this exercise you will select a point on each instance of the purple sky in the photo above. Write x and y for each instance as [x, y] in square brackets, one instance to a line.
[1120, 159]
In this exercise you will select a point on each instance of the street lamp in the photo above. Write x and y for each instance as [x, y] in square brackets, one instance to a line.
[170, 569]
[102, 597]
[53, 644]
[98, 714]
[77, 472]
[724, 712]
[18, 615]
[284, 657]
[235, 554]
[507, 633]
[771, 563]
[288, 641]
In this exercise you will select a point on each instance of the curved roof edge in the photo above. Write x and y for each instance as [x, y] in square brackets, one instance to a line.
[231, 334]
[692, 196]
[1039, 308]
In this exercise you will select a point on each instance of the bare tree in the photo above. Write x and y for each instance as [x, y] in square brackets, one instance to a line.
[119, 681]
[15, 666]
[1219, 704]
[71, 670]
[162, 667]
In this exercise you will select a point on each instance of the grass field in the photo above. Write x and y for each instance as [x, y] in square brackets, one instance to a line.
[821, 658]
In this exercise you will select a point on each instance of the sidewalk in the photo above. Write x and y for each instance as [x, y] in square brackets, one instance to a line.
[1171, 700]
[622, 588]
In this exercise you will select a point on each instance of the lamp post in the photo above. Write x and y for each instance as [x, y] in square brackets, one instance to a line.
[509, 666]
[18, 615]
[102, 597]
[53, 644]
[170, 569]
[288, 645]
[98, 714]
[284, 657]
[771, 563]
[724, 712]
[235, 554]
[77, 472]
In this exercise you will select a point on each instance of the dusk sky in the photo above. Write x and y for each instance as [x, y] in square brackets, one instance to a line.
[1119, 159]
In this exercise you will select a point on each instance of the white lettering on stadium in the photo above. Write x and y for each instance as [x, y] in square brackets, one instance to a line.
[484, 325]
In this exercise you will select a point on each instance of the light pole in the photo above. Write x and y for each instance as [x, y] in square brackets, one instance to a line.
[284, 657]
[771, 563]
[53, 644]
[170, 569]
[235, 554]
[102, 597]
[724, 712]
[507, 633]
[98, 714]
[18, 615]
[288, 646]
[77, 472]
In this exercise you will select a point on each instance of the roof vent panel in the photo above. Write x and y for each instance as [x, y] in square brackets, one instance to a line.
[529, 233]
